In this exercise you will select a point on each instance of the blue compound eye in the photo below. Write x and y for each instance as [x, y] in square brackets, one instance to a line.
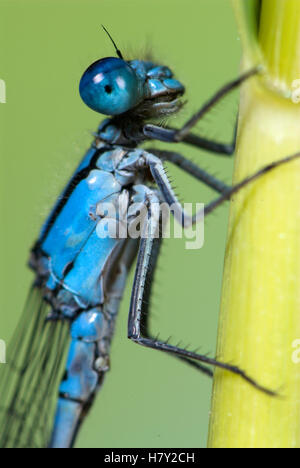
[110, 86]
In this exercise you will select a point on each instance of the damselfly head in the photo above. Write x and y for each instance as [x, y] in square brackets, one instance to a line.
[113, 86]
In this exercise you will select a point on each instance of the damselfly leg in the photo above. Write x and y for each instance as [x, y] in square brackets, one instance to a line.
[191, 168]
[139, 310]
[158, 172]
[183, 134]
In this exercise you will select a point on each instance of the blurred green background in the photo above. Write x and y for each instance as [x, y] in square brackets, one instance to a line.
[149, 399]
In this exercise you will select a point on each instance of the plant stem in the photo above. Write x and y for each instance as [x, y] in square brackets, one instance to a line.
[279, 37]
[260, 310]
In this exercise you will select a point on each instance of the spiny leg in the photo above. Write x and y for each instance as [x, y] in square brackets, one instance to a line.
[222, 149]
[248, 180]
[155, 132]
[150, 273]
[191, 168]
[138, 310]
[159, 175]
[161, 178]
[169, 135]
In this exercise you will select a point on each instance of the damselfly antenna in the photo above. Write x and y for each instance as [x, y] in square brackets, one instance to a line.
[119, 53]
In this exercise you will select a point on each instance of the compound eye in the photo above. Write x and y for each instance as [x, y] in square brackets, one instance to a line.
[110, 86]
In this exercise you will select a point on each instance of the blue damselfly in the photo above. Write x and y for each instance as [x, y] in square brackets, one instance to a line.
[63, 342]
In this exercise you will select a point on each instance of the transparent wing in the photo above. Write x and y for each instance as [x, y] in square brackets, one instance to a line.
[30, 379]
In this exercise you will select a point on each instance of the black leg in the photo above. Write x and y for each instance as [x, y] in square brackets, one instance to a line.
[168, 135]
[159, 175]
[139, 310]
[192, 169]
[223, 149]
[248, 180]
[149, 272]
[161, 178]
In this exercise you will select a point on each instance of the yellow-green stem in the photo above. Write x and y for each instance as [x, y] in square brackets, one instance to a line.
[279, 37]
[260, 311]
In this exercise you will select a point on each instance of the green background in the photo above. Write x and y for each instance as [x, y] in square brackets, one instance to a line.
[149, 399]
